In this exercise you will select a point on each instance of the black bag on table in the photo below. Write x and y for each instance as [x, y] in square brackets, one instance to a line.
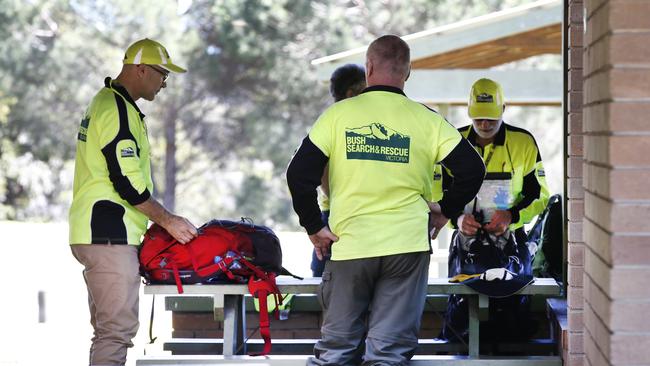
[509, 316]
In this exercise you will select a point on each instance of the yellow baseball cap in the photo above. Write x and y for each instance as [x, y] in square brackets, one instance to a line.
[486, 100]
[150, 52]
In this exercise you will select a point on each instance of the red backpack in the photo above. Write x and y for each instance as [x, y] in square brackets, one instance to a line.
[224, 251]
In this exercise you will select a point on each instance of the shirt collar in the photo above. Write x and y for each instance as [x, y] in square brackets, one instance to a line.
[386, 88]
[111, 84]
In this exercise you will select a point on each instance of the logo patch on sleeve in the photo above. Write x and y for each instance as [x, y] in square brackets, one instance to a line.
[83, 129]
[541, 173]
[127, 152]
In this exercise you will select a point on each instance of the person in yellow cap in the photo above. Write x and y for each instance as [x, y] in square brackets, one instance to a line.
[513, 192]
[112, 198]
[512, 160]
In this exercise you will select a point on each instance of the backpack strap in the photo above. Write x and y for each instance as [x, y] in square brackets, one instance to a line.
[284, 271]
[151, 337]
[265, 331]
[260, 285]
[260, 289]
[177, 278]
[223, 266]
[213, 268]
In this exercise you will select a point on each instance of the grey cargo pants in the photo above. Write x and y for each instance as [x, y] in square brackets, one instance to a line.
[381, 298]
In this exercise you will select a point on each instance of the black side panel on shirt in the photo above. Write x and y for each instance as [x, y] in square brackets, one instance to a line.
[303, 176]
[468, 170]
[530, 190]
[107, 223]
[120, 182]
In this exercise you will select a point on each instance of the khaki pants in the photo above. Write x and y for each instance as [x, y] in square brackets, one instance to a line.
[113, 281]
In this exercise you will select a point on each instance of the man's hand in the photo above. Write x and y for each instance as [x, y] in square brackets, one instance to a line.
[180, 228]
[468, 224]
[499, 222]
[322, 241]
[436, 219]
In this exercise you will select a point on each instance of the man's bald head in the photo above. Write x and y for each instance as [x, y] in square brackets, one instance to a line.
[391, 56]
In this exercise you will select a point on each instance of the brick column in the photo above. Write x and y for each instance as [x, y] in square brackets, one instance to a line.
[616, 170]
[573, 352]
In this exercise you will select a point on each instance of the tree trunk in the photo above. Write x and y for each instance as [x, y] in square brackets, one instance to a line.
[169, 196]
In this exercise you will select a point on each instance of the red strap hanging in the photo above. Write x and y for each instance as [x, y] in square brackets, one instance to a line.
[265, 332]
[260, 285]
[260, 288]
[177, 278]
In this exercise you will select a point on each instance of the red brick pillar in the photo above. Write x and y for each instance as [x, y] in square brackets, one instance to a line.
[616, 126]
[573, 350]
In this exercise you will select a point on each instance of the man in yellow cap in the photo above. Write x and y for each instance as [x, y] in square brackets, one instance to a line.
[112, 199]
[513, 192]
[511, 154]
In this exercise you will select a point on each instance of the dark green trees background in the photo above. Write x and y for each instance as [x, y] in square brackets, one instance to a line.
[223, 133]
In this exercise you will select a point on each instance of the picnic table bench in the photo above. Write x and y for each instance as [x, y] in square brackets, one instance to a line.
[230, 298]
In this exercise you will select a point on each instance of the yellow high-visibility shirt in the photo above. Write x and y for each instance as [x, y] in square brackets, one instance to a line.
[112, 171]
[381, 147]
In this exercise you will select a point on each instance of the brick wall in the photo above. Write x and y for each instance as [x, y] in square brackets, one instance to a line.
[573, 350]
[203, 325]
[299, 325]
[616, 175]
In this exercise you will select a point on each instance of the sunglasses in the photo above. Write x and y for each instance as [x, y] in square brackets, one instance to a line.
[164, 74]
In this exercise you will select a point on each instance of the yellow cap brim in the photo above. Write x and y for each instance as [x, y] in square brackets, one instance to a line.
[173, 68]
[478, 111]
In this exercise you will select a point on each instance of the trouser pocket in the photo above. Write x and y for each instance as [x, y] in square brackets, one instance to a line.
[324, 289]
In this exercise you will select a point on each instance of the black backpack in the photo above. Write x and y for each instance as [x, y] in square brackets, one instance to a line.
[546, 233]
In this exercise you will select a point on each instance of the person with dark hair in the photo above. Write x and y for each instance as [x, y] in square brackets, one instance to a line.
[112, 200]
[381, 148]
[346, 81]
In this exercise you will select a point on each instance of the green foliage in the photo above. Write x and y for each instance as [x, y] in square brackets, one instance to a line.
[254, 56]
[230, 124]
[53, 58]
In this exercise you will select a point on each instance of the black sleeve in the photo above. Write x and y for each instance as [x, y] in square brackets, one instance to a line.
[446, 180]
[121, 183]
[530, 190]
[468, 171]
[303, 176]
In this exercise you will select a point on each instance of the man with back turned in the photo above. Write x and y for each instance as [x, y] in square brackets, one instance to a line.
[381, 148]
